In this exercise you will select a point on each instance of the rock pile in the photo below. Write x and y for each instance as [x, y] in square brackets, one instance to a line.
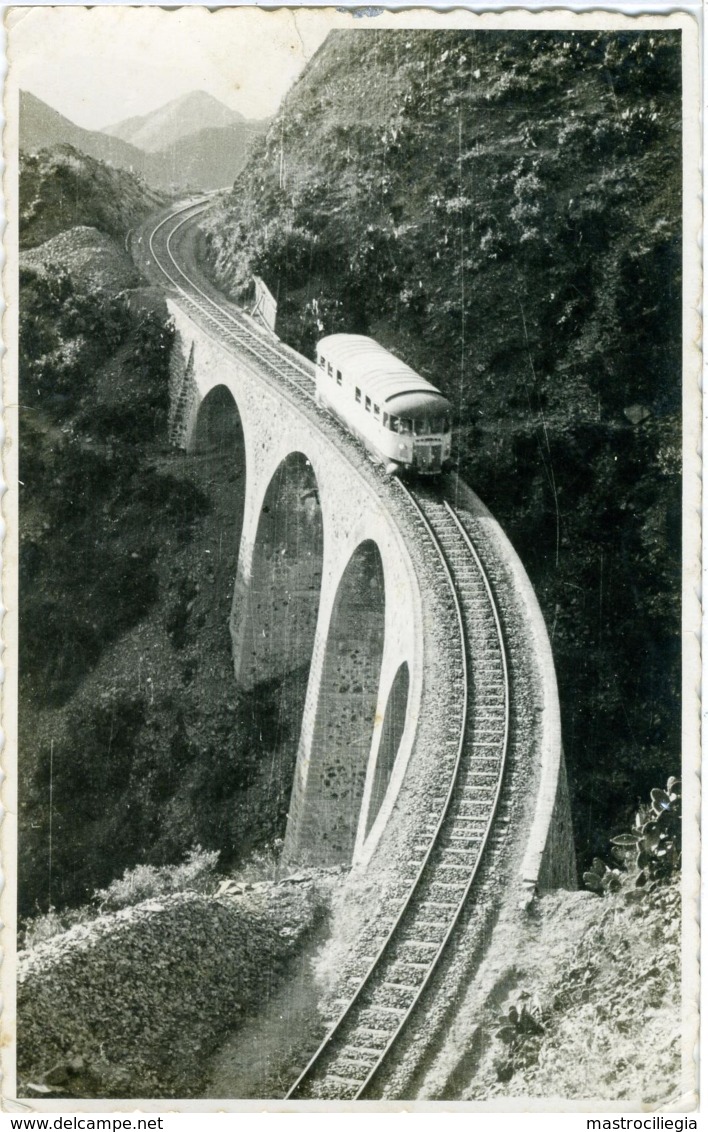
[131, 1004]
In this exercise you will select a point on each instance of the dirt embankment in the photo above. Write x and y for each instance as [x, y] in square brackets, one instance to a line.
[584, 1004]
[133, 1003]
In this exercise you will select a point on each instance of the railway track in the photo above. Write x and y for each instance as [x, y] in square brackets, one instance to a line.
[349, 1060]
[234, 328]
[466, 819]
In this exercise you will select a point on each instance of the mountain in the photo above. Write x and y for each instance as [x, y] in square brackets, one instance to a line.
[209, 159]
[61, 188]
[503, 210]
[203, 159]
[190, 114]
[41, 127]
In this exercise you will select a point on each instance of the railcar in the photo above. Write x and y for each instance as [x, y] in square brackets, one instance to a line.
[401, 418]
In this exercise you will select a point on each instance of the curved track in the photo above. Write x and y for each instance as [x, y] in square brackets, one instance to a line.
[352, 1055]
[450, 850]
[239, 330]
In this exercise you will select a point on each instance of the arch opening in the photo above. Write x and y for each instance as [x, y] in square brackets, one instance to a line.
[218, 432]
[274, 620]
[208, 750]
[282, 593]
[346, 710]
[391, 734]
[217, 464]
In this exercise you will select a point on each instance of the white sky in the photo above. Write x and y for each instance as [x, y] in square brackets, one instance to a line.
[100, 65]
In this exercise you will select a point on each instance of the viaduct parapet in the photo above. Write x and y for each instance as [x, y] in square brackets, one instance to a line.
[335, 582]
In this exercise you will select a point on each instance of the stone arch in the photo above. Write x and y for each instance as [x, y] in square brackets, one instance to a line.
[215, 462]
[218, 430]
[394, 723]
[276, 629]
[345, 716]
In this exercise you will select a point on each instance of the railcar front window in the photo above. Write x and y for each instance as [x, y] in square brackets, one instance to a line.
[393, 423]
[406, 427]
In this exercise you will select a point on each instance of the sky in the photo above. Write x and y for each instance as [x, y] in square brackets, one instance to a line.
[100, 65]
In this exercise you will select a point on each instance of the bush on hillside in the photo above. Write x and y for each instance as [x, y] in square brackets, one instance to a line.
[147, 882]
[648, 855]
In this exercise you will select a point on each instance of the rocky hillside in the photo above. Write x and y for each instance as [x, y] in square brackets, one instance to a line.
[63, 188]
[130, 1004]
[503, 211]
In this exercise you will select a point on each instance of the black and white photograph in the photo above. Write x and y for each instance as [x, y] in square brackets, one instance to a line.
[351, 560]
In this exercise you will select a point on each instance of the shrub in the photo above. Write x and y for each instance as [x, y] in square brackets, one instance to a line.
[651, 852]
[521, 1029]
[145, 882]
[49, 924]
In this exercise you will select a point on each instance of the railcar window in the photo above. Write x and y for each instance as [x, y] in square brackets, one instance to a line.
[385, 420]
[339, 377]
[357, 393]
[368, 404]
[377, 411]
[322, 361]
[393, 423]
[329, 368]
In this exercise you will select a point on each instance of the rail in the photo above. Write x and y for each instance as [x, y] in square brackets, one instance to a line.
[330, 1048]
[236, 327]
[346, 1013]
[441, 524]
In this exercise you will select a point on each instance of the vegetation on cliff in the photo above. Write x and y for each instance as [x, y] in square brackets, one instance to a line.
[134, 742]
[503, 211]
[62, 187]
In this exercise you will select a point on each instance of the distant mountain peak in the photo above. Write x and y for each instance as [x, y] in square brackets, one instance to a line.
[206, 157]
[188, 114]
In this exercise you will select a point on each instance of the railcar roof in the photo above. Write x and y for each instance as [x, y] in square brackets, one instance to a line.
[381, 373]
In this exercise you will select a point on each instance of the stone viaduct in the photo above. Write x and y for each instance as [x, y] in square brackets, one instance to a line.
[332, 581]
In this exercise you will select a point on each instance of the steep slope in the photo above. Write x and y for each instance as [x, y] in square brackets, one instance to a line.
[134, 743]
[176, 119]
[41, 127]
[207, 159]
[503, 210]
[61, 188]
